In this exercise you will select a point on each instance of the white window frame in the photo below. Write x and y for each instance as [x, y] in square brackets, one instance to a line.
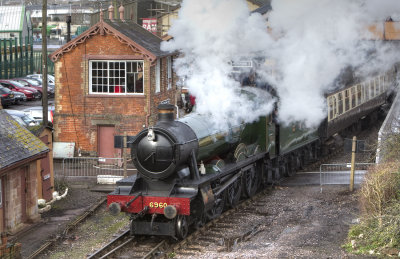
[136, 65]
[169, 72]
[158, 76]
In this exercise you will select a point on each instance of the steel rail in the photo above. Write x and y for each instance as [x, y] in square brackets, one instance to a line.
[109, 244]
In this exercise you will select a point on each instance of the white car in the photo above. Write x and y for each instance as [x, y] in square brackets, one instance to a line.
[37, 113]
[22, 118]
[50, 78]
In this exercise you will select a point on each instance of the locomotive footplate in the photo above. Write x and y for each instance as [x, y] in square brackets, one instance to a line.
[153, 228]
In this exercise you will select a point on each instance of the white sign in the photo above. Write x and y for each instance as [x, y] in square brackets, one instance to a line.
[63, 149]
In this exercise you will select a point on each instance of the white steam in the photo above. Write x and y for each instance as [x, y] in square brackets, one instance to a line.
[311, 43]
[210, 34]
[317, 40]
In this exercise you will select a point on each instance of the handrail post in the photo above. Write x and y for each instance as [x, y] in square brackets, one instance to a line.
[353, 159]
[124, 155]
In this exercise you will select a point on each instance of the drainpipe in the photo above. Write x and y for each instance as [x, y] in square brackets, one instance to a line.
[148, 99]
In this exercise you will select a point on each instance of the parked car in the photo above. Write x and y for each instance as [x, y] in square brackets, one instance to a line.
[31, 93]
[40, 81]
[50, 78]
[7, 97]
[37, 113]
[18, 97]
[22, 118]
[30, 82]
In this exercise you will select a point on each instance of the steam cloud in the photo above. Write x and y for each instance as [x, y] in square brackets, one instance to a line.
[311, 43]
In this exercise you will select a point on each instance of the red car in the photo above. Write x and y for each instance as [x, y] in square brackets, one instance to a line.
[30, 82]
[31, 93]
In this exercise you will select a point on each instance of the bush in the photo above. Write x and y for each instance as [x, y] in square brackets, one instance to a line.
[380, 188]
[60, 185]
[391, 148]
[379, 227]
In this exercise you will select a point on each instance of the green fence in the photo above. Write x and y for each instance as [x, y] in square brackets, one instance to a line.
[17, 58]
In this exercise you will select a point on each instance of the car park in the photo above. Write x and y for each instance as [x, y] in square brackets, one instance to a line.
[22, 118]
[7, 97]
[31, 93]
[31, 82]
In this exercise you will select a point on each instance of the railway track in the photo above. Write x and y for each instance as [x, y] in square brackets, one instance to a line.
[126, 246]
[222, 232]
[225, 232]
[69, 227]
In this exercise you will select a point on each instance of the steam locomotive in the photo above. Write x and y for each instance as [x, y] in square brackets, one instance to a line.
[189, 173]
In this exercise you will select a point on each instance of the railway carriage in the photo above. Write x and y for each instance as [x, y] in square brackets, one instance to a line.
[189, 173]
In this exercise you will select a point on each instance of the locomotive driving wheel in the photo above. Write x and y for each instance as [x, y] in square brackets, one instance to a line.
[218, 207]
[250, 181]
[234, 192]
[181, 227]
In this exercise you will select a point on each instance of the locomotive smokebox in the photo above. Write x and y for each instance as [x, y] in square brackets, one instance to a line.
[165, 112]
[163, 149]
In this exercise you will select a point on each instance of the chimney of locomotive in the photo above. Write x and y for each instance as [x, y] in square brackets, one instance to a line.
[165, 112]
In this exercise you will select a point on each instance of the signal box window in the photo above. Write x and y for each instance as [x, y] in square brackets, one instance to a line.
[116, 77]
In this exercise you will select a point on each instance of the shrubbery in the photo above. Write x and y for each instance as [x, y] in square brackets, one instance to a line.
[379, 227]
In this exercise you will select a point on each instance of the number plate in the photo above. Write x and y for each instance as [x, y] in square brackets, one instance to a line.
[160, 205]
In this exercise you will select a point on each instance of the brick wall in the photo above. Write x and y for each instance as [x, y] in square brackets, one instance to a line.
[78, 114]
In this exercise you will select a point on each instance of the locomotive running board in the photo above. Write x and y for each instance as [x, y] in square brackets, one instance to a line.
[229, 168]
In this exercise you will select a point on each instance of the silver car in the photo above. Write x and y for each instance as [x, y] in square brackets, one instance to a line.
[19, 97]
[22, 118]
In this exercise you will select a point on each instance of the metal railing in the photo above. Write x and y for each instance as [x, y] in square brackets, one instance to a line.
[340, 173]
[94, 167]
[389, 127]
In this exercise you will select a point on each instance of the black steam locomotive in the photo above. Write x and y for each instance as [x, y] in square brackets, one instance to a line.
[189, 173]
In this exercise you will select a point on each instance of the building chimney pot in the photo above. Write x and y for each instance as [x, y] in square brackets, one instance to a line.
[110, 12]
[121, 12]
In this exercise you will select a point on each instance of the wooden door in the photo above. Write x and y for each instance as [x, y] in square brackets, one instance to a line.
[45, 174]
[106, 142]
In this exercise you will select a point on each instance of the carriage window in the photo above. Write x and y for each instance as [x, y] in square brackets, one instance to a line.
[377, 86]
[331, 113]
[359, 95]
[385, 79]
[346, 100]
[340, 103]
[371, 89]
[353, 97]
